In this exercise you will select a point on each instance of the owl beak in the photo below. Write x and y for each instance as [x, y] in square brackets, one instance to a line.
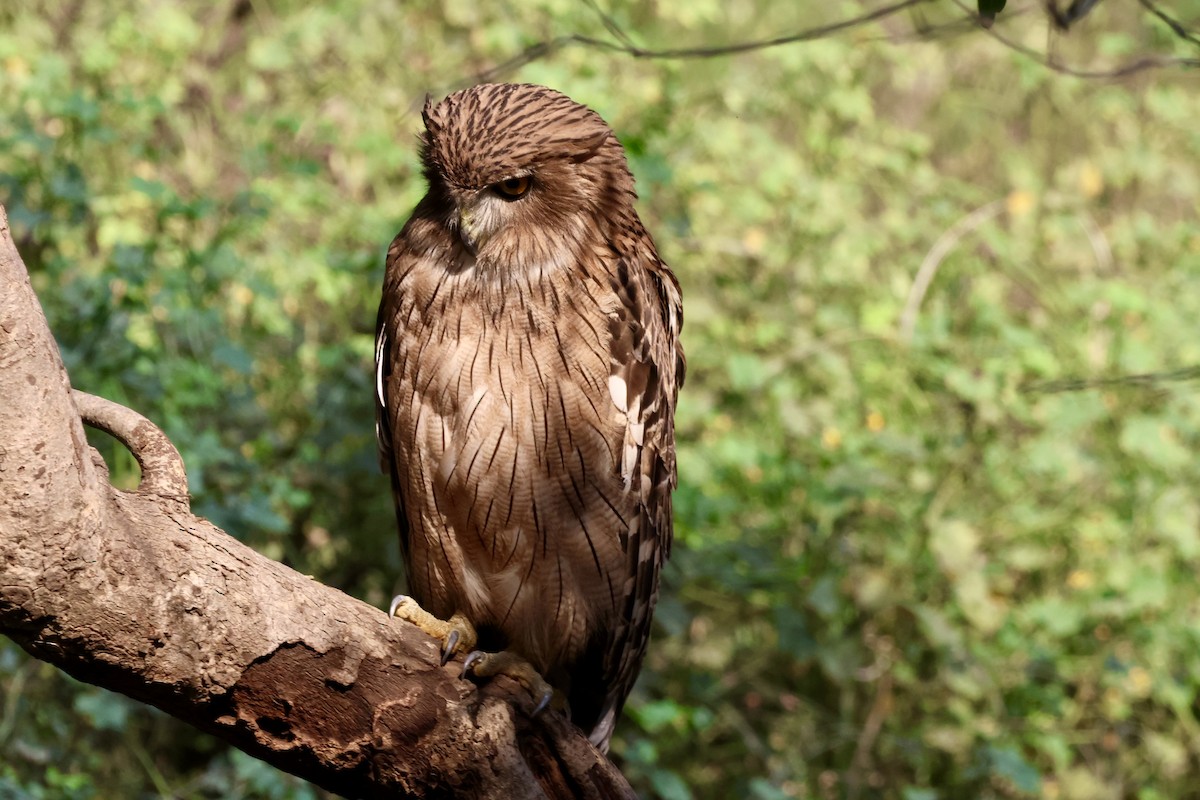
[467, 233]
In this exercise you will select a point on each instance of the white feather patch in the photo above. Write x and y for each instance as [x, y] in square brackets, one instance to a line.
[380, 346]
[638, 431]
[618, 391]
[628, 460]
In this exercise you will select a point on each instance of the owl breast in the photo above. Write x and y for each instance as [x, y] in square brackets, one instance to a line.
[512, 486]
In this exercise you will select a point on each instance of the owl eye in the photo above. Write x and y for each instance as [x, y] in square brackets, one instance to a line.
[513, 188]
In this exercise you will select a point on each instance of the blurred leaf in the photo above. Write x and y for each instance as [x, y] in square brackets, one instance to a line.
[104, 710]
[657, 715]
[1010, 766]
[669, 786]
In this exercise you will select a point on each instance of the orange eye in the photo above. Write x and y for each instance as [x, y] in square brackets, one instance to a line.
[513, 188]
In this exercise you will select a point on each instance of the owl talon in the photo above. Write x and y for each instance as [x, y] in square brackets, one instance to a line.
[398, 601]
[506, 662]
[472, 658]
[544, 703]
[451, 643]
[455, 634]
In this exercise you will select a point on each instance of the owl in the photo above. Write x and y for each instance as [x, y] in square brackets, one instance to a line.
[528, 362]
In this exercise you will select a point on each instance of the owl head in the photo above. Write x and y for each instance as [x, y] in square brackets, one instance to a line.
[523, 176]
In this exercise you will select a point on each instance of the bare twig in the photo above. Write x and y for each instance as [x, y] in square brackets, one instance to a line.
[610, 23]
[933, 259]
[626, 46]
[1075, 12]
[870, 732]
[1122, 71]
[1145, 379]
[1048, 61]
[1099, 242]
[1175, 25]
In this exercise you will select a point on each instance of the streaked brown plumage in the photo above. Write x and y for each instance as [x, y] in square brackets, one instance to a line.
[528, 362]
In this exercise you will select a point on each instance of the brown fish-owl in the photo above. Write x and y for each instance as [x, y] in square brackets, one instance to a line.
[528, 362]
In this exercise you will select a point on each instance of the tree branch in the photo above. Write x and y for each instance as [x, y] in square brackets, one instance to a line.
[623, 44]
[1121, 71]
[129, 591]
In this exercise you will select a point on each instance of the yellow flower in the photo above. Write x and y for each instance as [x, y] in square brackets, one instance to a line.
[1091, 182]
[16, 66]
[831, 438]
[1019, 202]
[1080, 579]
[1138, 681]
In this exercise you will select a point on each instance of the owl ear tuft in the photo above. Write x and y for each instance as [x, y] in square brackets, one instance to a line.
[585, 147]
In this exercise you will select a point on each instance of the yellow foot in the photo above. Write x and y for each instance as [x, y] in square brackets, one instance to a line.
[455, 634]
[506, 662]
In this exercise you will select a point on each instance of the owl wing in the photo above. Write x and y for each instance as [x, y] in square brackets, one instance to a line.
[383, 378]
[647, 370]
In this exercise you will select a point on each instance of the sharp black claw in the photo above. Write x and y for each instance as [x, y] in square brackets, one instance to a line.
[470, 662]
[448, 650]
[542, 704]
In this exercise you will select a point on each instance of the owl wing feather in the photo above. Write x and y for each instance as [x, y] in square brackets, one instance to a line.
[383, 379]
[649, 366]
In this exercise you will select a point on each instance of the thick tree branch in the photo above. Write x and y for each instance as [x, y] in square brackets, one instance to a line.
[129, 591]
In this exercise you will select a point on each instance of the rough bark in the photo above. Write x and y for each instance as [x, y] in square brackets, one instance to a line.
[130, 591]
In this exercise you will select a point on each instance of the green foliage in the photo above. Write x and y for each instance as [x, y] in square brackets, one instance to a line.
[897, 572]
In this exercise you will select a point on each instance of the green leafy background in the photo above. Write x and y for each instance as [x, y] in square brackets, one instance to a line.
[898, 572]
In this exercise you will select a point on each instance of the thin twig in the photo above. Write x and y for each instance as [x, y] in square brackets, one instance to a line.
[1075, 12]
[933, 259]
[626, 46]
[1175, 25]
[1138, 65]
[1145, 379]
[1099, 242]
[610, 24]
[870, 732]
